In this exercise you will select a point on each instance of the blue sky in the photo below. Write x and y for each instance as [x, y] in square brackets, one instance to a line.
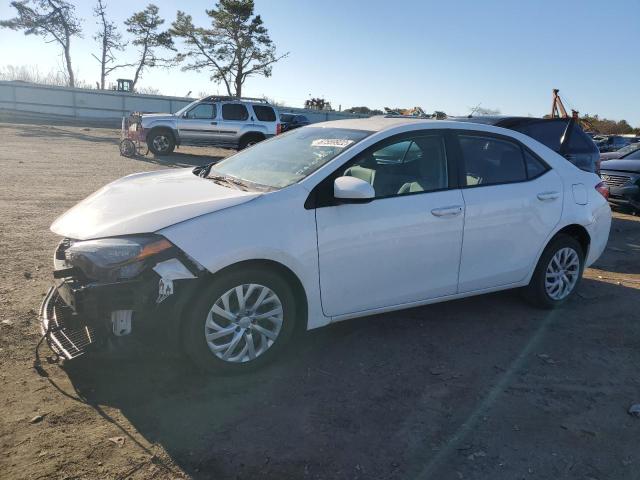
[449, 56]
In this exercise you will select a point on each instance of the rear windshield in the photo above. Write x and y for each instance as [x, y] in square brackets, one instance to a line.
[547, 133]
[550, 133]
[264, 113]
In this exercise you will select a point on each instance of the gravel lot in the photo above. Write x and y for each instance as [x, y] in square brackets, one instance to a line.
[478, 388]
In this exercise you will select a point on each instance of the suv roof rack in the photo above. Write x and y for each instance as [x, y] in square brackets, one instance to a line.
[216, 98]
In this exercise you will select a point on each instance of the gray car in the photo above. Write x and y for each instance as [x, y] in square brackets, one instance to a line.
[226, 122]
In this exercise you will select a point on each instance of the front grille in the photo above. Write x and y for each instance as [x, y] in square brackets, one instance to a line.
[66, 336]
[615, 180]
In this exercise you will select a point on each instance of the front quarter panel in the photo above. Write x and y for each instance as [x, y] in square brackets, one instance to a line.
[275, 227]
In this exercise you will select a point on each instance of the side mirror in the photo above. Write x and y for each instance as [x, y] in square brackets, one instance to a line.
[352, 190]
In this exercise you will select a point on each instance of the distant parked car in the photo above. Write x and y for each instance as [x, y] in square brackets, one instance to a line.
[291, 121]
[226, 122]
[632, 147]
[562, 135]
[613, 143]
[622, 176]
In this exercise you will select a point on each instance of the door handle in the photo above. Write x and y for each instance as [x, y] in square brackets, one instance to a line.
[451, 211]
[214, 123]
[545, 196]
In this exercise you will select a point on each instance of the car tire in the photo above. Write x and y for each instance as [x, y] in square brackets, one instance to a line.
[558, 273]
[249, 140]
[161, 142]
[245, 326]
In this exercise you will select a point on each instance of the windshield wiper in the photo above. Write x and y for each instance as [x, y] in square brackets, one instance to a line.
[235, 183]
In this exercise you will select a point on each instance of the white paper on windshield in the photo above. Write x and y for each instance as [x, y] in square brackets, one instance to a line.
[331, 142]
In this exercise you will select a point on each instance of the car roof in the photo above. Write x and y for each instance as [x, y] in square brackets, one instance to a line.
[375, 124]
[382, 122]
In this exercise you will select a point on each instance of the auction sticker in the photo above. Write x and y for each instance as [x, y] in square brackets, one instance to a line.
[331, 142]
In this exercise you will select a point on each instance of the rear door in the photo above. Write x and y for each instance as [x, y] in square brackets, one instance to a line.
[198, 125]
[234, 116]
[513, 201]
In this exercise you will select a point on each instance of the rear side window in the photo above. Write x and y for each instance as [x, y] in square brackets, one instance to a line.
[234, 111]
[264, 113]
[535, 167]
[490, 161]
[548, 133]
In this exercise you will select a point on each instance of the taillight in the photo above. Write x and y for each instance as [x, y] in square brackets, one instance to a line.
[278, 128]
[603, 190]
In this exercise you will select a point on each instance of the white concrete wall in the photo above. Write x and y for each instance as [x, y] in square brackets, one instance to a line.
[80, 103]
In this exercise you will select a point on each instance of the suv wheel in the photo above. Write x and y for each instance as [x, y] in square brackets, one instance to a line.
[242, 321]
[161, 142]
[249, 140]
[557, 274]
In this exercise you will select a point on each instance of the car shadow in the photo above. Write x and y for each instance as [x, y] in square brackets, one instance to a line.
[373, 394]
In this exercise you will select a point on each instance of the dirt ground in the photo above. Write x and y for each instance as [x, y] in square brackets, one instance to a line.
[481, 388]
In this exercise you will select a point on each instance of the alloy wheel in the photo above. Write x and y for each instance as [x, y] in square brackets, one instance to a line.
[562, 273]
[244, 323]
[161, 143]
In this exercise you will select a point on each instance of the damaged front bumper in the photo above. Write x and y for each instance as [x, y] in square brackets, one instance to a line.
[77, 316]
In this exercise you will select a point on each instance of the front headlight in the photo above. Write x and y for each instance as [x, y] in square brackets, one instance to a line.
[113, 259]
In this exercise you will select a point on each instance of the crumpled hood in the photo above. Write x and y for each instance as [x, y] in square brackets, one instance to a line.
[146, 202]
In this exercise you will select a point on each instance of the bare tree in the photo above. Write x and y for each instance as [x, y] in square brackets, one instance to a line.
[145, 28]
[55, 20]
[236, 46]
[110, 41]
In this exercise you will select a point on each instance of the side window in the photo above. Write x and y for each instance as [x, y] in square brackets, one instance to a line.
[490, 161]
[406, 166]
[535, 167]
[202, 111]
[234, 111]
[264, 113]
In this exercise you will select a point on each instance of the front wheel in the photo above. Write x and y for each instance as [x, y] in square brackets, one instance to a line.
[242, 321]
[557, 274]
[161, 142]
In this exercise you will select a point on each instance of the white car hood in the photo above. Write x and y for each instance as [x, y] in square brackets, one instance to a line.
[146, 202]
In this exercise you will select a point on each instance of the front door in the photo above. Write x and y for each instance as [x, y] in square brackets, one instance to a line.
[513, 202]
[199, 125]
[402, 247]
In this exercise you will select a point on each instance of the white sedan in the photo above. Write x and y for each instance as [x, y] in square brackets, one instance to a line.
[325, 223]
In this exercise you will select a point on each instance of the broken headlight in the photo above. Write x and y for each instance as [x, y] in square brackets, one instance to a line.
[113, 259]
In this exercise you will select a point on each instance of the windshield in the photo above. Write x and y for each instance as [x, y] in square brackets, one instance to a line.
[180, 112]
[288, 158]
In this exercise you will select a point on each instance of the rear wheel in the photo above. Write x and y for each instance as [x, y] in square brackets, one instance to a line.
[557, 274]
[242, 321]
[161, 142]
